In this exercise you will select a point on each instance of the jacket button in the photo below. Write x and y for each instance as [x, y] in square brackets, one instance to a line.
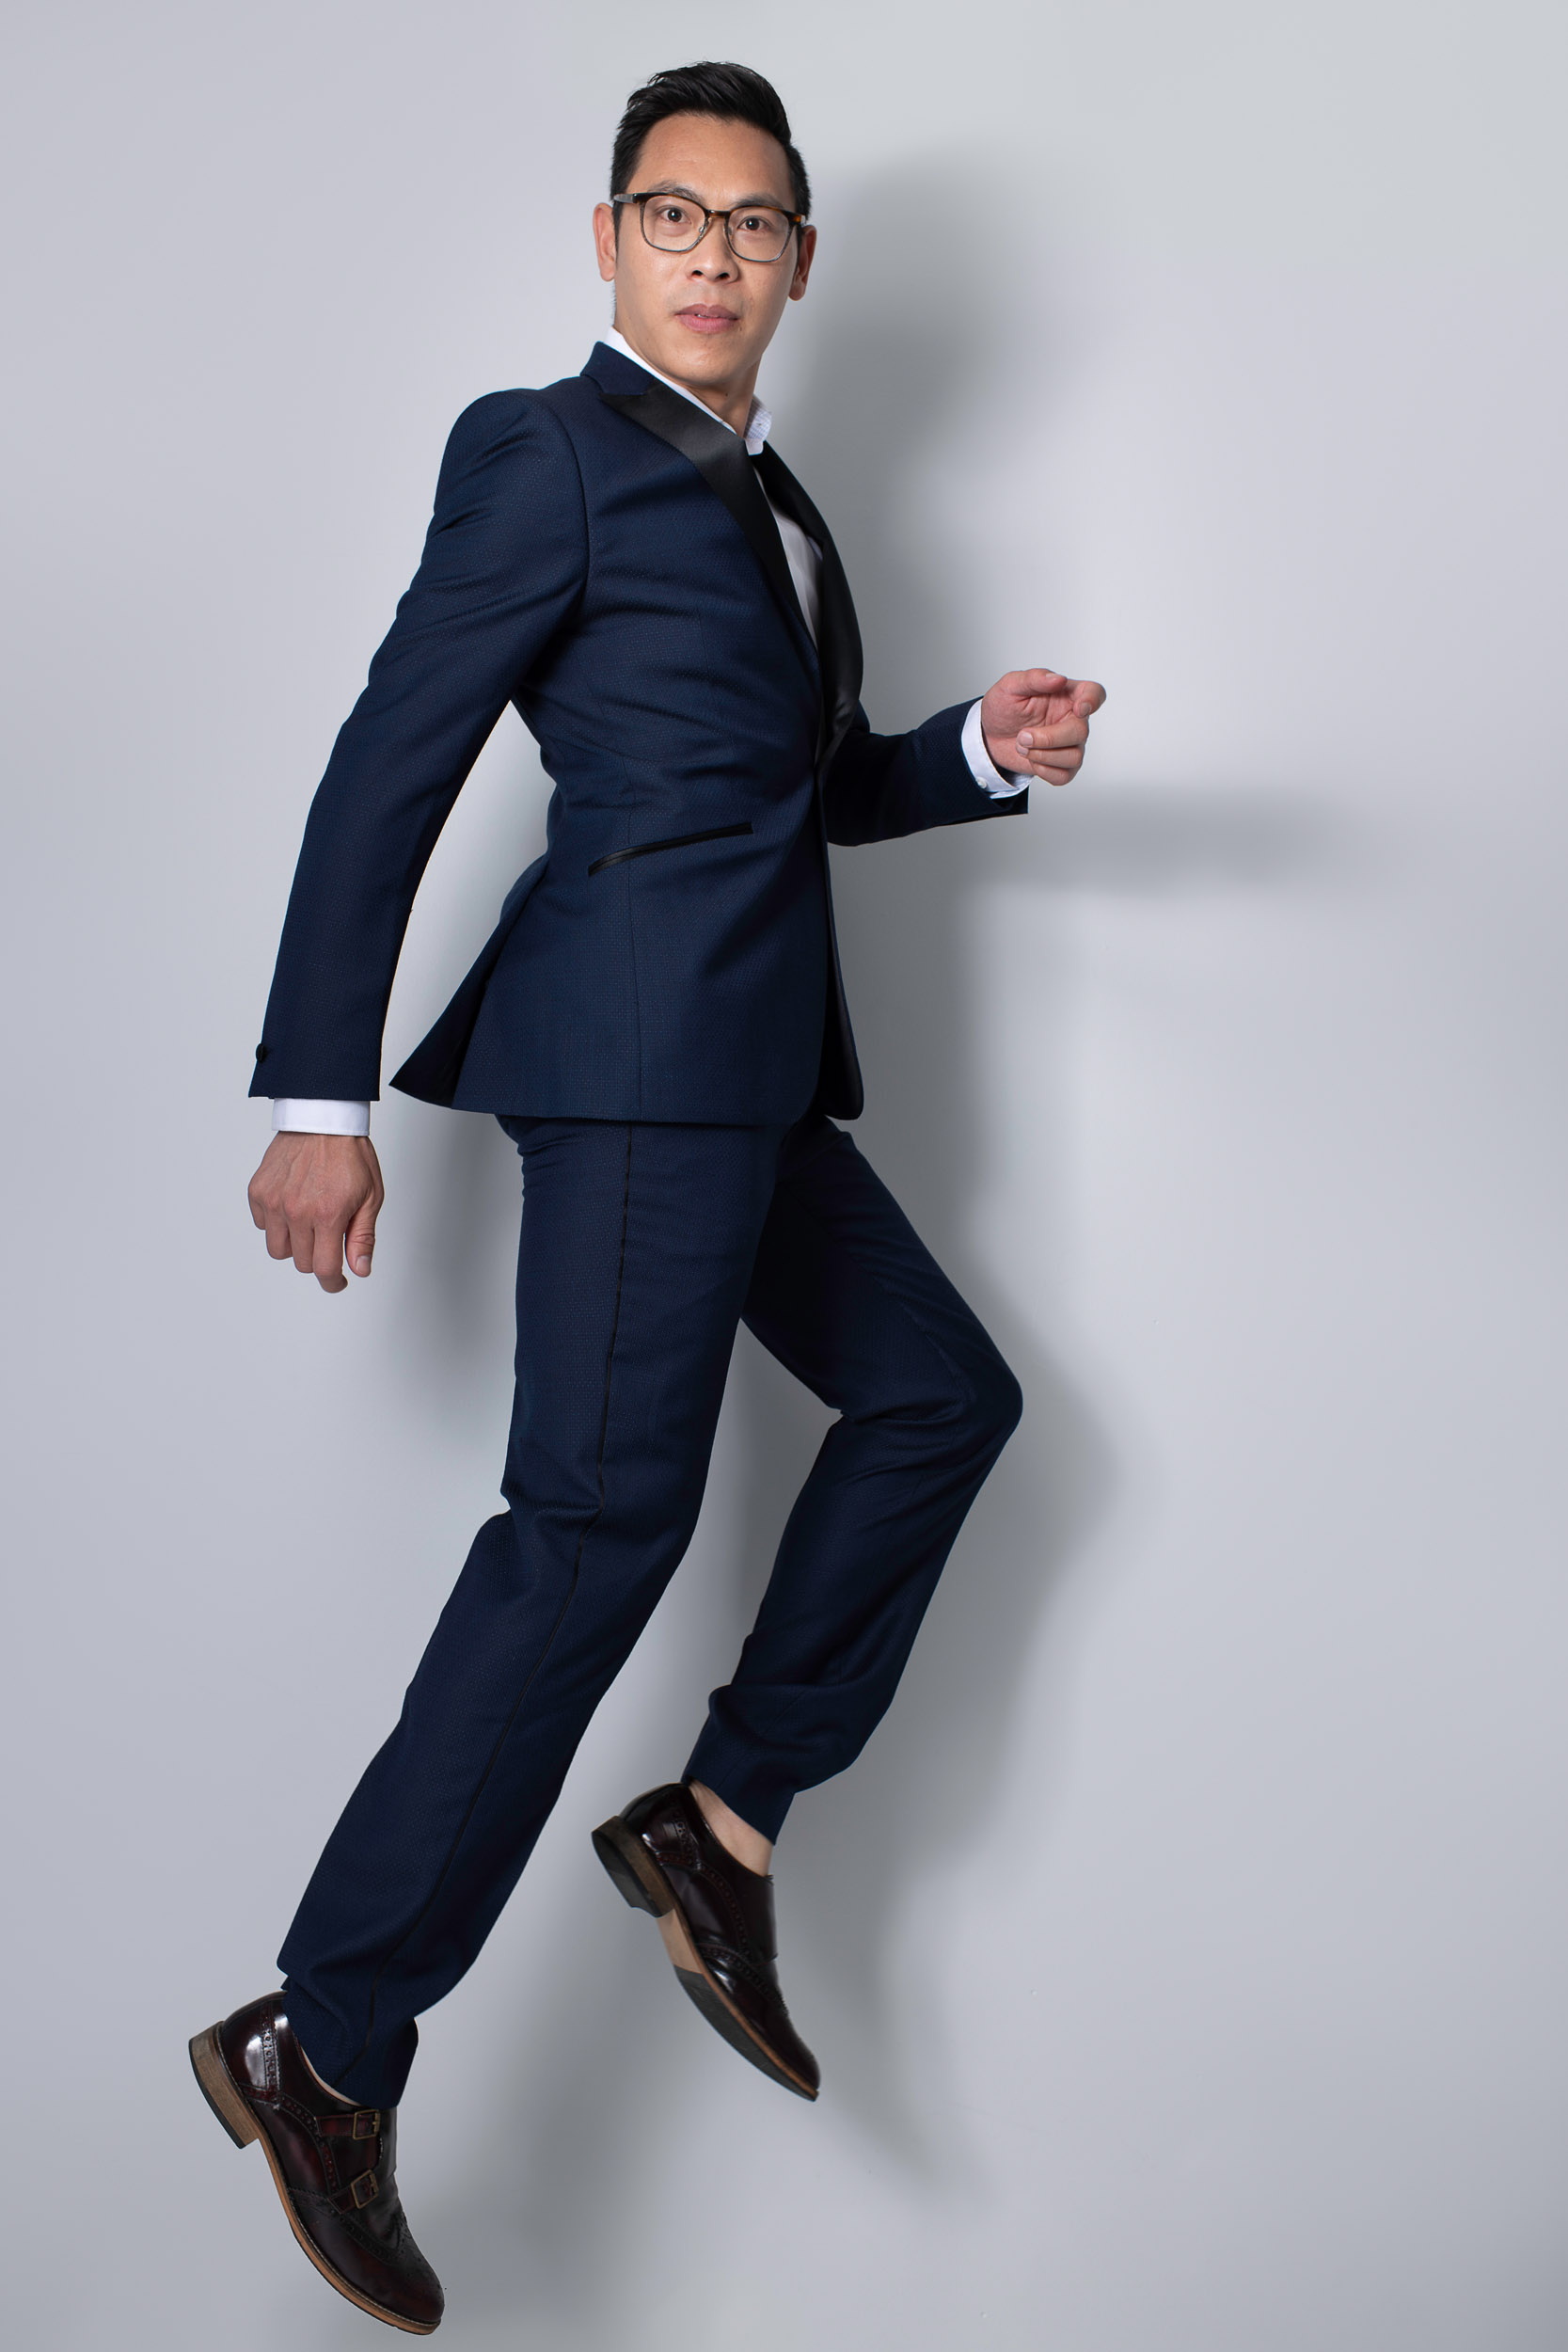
[262, 1053]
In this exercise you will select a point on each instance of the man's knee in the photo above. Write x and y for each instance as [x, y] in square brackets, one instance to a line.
[960, 1409]
[998, 1402]
[982, 1405]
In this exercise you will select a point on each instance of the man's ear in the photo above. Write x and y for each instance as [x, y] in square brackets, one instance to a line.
[607, 223]
[805, 249]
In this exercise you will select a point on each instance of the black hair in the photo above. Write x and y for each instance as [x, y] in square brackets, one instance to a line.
[731, 93]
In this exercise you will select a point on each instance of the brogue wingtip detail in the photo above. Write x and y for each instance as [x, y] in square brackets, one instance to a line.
[334, 2164]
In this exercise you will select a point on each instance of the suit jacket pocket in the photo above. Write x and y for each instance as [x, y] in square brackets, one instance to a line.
[675, 841]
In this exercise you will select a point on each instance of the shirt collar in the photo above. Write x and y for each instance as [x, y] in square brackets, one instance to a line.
[759, 424]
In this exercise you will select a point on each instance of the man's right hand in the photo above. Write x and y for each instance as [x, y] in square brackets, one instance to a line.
[317, 1198]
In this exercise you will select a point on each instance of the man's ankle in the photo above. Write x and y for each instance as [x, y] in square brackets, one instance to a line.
[330, 2087]
[740, 1841]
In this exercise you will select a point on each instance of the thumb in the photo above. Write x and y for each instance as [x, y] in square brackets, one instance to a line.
[360, 1240]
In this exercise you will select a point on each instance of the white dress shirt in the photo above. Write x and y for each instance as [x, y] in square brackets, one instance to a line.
[292, 1115]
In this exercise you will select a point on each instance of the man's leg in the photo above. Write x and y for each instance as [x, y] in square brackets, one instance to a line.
[637, 1248]
[845, 1293]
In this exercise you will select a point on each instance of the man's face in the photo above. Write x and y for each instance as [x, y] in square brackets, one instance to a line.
[704, 317]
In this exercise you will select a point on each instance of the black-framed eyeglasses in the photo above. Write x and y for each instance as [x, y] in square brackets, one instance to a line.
[678, 224]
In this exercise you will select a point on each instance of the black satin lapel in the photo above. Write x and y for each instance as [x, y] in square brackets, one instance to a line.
[719, 456]
[838, 635]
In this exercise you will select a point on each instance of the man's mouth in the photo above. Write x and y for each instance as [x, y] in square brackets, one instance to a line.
[705, 318]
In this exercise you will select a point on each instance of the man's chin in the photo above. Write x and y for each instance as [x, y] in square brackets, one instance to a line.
[706, 362]
[710, 357]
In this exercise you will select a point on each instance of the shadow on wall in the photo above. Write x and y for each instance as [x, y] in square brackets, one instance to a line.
[895, 392]
[892, 387]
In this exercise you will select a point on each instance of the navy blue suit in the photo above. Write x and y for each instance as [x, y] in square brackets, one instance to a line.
[659, 1022]
[581, 565]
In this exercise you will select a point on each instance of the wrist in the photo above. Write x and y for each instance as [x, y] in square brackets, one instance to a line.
[988, 771]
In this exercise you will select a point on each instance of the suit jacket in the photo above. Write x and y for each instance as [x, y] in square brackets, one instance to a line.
[601, 555]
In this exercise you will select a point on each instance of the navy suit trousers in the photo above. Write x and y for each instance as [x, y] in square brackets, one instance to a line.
[642, 1247]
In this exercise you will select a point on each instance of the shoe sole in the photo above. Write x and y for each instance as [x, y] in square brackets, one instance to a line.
[222, 2093]
[643, 1885]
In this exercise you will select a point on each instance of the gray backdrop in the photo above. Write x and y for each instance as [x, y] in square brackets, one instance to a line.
[1186, 1958]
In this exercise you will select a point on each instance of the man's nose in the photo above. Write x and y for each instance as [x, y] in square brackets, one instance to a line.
[711, 256]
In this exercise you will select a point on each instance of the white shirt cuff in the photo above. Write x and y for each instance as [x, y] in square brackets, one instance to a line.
[991, 779]
[292, 1115]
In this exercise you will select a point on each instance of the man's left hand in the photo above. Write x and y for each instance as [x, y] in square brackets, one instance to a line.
[1036, 722]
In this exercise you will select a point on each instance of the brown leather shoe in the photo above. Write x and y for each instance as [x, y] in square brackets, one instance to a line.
[333, 2163]
[716, 1920]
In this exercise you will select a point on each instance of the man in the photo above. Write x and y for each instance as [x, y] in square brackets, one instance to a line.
[659, 1022]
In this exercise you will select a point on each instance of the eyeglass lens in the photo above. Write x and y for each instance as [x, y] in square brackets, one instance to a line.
[674, 224]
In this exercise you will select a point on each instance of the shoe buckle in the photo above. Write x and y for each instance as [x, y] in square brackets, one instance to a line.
[367, 2123]
[364, 2188]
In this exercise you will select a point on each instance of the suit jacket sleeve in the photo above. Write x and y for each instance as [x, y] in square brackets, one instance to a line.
[880, 786]
[505, 562]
